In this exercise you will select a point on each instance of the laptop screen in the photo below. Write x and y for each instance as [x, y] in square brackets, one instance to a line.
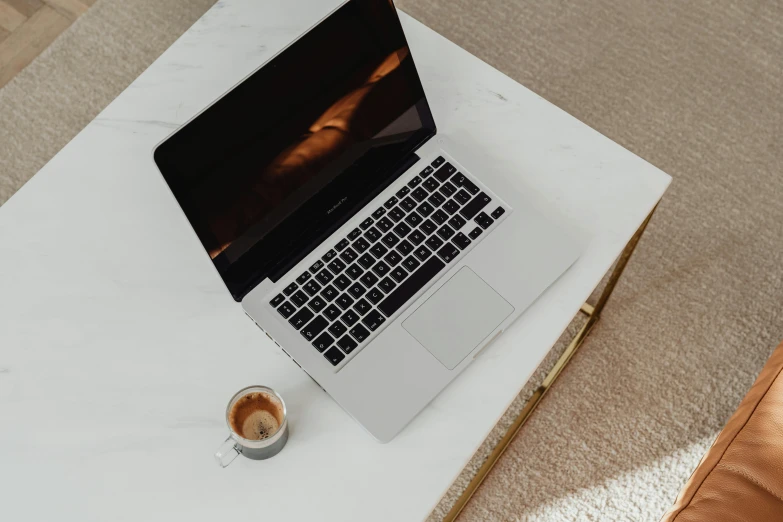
[272, 168]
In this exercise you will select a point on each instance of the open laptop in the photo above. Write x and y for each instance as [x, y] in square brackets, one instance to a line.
[348, 228]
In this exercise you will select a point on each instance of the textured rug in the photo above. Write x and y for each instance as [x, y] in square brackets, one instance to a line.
[694, 88]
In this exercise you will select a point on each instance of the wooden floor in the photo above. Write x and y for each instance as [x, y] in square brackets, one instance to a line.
[27, 27]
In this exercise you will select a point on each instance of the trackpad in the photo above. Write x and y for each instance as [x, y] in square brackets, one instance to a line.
[458, 317]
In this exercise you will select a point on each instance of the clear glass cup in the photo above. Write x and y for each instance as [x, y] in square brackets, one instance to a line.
[236, 445]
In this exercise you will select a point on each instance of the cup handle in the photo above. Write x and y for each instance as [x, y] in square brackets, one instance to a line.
[227, 452]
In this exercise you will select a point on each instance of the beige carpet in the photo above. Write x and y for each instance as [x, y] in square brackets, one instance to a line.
[693, 87]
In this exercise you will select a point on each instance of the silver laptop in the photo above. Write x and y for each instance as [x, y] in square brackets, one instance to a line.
[348, 228]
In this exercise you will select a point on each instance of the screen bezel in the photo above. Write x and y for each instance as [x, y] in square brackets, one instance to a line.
[255, 265]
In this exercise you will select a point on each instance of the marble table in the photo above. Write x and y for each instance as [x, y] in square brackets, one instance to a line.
[120, 346]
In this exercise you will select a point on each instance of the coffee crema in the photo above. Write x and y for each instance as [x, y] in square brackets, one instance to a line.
[256, 416]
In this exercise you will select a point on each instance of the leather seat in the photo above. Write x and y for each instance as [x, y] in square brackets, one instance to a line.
[740, 478]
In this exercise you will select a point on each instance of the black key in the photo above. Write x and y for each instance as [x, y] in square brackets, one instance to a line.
[361, 245]
[459, 179]
[451, 206]
[428, 227]
[498, 212]
[347, 344]
[446, 232]
[324, 276]
[440, 217]
[434, 242]
[390, 240]
[413, 219]
[360, 333]
[367, 223]
[413, 284]
[411, 263]
[381, 268]
[279, 298]
[301, 318]
[431, 184]
[316, 266]
[368, 279]
[402, 192]
[402, 229]
[445, 172]
[475, 206]
[312, 288]
[302, 278]
[393, 258]
[420, 194]
[436, 199]
[437, 162]
[372, 235]
[299, 298]
[426, 172]
[314, 327]
[422, 252]
[332, 312]
[344, 301]
[354, 234]
[384, 224]
[457, 222]
[425, 209]
[462, 196]
[374, 296]
[348, 255]
[342, 244]
[286, 309]
[416, 237]
[329, 256]
[396, 214]
[399, 274]
[373, 320]
[349, 317]
[323, 342]
[336, 266]
[354, 271]
[408, 204]
[290, 289]
[448, 252]
[484, 220]
[476, 232]
[317, 303]
[392, 201]
[362, 306]
[405, 247]
[378, 250]
[378, 212]
[334, 356]
[447, 189]
[470, 187]
[414, 182]
[342, 282]
[356, 290]
[367, 260]
[387, 285]
[461, 240]
[337, 329]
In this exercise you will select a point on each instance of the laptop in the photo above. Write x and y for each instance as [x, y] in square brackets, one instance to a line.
[348, 228]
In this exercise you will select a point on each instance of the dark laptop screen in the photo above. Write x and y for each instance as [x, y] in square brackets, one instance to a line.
[287, 156]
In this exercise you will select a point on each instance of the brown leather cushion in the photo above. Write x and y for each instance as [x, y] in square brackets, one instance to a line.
[740, 478]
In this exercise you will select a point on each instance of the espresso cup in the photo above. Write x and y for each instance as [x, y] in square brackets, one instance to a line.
[258, 425]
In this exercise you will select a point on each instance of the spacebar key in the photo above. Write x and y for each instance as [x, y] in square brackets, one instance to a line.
[410, 286]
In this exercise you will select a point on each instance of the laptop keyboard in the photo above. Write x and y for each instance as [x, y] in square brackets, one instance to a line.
[379, 266]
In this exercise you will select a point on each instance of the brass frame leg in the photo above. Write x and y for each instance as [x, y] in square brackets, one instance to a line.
[593, 312]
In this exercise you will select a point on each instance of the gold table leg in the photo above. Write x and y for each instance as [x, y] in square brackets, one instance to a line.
[593, 312]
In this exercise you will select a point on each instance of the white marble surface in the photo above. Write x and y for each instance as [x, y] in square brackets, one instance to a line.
[119, 345]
